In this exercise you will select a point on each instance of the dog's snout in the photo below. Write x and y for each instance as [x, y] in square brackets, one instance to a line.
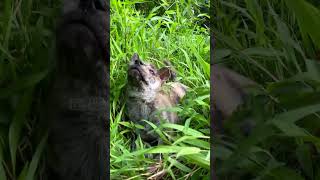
[135, 60]
[138, 62]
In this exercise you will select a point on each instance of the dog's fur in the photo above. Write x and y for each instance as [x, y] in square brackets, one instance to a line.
[78, 102]
[229, 92]
[148, 92]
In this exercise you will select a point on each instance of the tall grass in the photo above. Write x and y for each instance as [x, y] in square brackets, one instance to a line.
[275, 43]
[157, 31]
[26, 45]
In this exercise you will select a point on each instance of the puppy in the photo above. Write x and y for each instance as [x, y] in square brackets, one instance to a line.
[148, 92]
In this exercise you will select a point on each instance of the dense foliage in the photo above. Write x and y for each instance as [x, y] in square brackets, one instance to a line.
[26, 53]
[276, 43]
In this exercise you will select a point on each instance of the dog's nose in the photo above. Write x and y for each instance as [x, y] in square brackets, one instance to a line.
[138, 62]
[135, 60]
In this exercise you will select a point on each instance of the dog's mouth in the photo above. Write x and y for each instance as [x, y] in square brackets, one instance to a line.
[136, 73]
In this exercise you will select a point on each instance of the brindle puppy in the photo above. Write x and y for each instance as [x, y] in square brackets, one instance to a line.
[147, 94]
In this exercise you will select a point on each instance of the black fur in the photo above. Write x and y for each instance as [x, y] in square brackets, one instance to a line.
[78, 103]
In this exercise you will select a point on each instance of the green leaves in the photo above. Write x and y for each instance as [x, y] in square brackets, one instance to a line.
[304, 155]
[256, 11]
[18, 123]
[26, 41]
[2, 171]
[187, 131]
[308, 18]
[283, 173]
[34, 164]
[22, 84]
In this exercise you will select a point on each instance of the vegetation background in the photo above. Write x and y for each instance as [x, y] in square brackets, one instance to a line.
[158, 30]
[26, 53]
[276, 43]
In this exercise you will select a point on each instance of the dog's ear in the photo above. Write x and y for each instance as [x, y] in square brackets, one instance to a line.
[164, 74]
[167, 73]
[85, 13]
[101, 5]
[93, 4]
[173, 72]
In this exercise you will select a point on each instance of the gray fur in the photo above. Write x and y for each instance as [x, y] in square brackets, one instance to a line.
[69, 5]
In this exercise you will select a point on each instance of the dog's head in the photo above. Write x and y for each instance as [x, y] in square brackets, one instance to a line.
[145, 76]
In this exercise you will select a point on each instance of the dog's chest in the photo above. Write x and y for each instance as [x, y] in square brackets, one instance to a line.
[151, 111]
[139, 110]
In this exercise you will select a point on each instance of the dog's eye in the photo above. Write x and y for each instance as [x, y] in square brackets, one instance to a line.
[152, 72]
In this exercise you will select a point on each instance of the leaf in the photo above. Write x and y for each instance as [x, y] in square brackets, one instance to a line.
[17, 124]
[5, 114]
[187, 59]
[287, 40]
[240, 9]
[308, 18]
[188, 150]
[285, 121]
[157, 130]
[206, 67]
[259, 51]
[313, 68]
[285, 173]
[221, 152]
[305, 159]
[219, 54]
[294, 115]
[24, 171]
[2, 171]
[291, 129]
[261, 132]
[179, 165]
[256, 11]
[36, 158]
[181, 151]
[22, 83]
[187, 131]
[199, 159]
[193, 141]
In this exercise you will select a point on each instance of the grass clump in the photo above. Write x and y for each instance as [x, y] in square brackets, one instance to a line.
[26, 51]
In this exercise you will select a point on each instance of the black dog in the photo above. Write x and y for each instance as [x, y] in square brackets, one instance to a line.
[78, 102]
